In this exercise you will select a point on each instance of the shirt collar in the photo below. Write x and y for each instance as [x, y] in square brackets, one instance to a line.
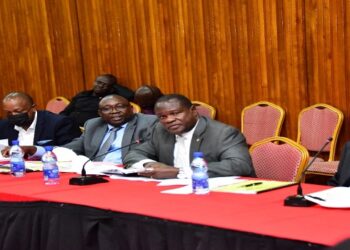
[188, 134]
[120, 127]
[31, 127]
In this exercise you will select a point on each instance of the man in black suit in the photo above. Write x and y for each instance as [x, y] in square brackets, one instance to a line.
[32, 127]
[342, 177]
[84, 105]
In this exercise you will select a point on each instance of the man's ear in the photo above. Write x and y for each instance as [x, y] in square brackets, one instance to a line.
[194, 109]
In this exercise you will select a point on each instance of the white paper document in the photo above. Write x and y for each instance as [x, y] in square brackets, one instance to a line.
[64, 154]
[187, 189]
[138, 178]
[337, 197]
[173, 182]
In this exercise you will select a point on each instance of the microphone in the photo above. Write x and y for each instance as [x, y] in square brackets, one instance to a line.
[93, 179]
[299, 199]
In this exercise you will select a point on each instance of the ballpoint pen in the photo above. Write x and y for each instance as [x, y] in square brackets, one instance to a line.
[252, 184]
[316, 198]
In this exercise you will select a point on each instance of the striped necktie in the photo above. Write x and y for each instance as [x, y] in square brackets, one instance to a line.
[107, 144]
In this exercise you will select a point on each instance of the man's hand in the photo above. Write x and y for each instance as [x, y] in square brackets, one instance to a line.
[159, 170]
[5, 151]
[27, 150]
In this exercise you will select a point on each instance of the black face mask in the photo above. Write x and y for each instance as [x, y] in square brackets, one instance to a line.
[20, 120]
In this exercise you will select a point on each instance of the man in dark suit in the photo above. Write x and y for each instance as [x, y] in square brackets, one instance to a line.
[224, 147]
[116, 113]
[32, 127]
[342, 177]
[84, 105]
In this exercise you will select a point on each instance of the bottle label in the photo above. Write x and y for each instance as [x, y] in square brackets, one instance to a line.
[50, 172]
[200, 183]
[17, 168]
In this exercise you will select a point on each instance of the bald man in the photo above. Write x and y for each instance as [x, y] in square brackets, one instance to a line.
[116, 114]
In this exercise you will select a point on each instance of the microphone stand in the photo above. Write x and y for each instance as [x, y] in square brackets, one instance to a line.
[94, 179]
[86, 179]
[299, 199]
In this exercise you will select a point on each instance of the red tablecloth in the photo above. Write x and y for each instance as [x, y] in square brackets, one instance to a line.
[261, 214]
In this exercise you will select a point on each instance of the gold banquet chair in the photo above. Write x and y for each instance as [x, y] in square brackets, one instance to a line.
[57, 104]
[261, 120]
[135, 107]
[205, 109]
[316, 124]
[279, 158]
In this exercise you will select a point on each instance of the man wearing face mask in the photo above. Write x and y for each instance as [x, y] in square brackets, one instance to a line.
[32, 127]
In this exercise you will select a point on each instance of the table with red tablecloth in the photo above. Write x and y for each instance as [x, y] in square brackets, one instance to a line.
[120, 209]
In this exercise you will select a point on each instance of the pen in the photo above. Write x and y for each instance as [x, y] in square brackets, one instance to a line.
[316, 198]
[252, 184]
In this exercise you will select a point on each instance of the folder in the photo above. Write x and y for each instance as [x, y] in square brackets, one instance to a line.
[253, 186]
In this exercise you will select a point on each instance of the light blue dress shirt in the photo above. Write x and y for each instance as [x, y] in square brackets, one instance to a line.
[115, 156]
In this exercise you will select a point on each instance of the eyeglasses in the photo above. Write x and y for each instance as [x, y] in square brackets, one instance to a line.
[109, 109]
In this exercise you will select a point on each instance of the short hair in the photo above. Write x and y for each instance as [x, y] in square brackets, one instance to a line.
[112, 78]
[114, 96]
[147, 95]
[19, 94]
[183, 100]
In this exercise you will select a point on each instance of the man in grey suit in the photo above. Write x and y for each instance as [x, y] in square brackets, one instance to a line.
[116, 113]
[224, 147]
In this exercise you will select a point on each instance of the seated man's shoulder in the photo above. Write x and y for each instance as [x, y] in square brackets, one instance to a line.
[83, 93]
[146, 118]
[217, 125]
[94, 122]
[52, 118]
[3, 124]
[49, 114]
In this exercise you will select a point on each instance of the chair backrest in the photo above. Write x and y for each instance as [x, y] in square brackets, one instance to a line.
[316, 124]
[205, 109]
[136, 108]
[57, 104]
[261, 120]
[279, 158]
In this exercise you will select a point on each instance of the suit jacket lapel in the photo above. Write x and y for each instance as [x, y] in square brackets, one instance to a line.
[166, 148]
[128, 135]
[197, 137]
[39, 127]
[97, 137]
[12, 134]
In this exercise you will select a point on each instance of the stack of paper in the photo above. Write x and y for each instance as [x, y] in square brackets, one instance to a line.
[337, 197]
[253, 186]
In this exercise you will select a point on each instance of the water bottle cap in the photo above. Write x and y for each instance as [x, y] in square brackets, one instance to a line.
[197, 154]
[48, 148]
[15, 142]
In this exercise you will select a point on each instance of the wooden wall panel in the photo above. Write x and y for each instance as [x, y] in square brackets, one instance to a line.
[226, 52]
[40, 50]
[327, 57]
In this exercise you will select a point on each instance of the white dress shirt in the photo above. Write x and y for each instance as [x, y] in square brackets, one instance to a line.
[26, 137]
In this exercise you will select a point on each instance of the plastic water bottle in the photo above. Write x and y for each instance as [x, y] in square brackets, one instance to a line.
[199, 167]
[16, 160]
[50, 168]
